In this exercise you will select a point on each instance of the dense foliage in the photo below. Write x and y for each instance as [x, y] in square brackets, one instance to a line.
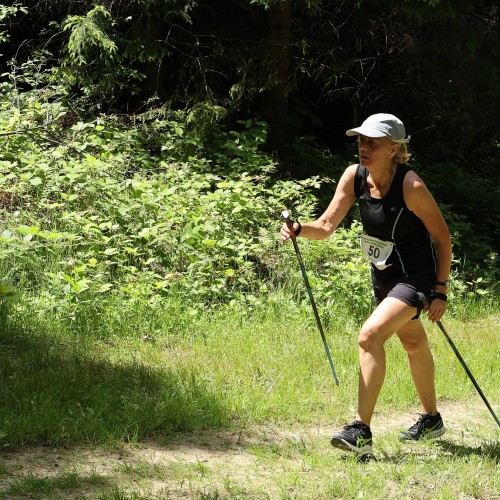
[141, 210]
[148, 148]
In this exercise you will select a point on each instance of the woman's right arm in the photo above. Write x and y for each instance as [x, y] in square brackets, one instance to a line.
[326, 224]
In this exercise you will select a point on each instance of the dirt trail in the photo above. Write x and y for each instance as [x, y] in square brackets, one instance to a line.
[187, 463]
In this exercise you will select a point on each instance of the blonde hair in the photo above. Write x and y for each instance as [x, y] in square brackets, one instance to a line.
[402, 154]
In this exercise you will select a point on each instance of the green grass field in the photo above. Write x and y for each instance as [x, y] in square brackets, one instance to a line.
[246, 399]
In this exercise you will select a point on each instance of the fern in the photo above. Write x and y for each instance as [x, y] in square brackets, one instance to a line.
[88, 36]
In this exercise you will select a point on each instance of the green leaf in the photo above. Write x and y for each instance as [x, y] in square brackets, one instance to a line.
[224, 242]
[35, 181]
[27, 229]
[52, 235]
[7, 235]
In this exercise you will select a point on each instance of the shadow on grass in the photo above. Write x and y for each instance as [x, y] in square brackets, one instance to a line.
[489, 449]
[56, 392]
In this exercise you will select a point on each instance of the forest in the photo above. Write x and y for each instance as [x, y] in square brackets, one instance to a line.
[241, 108]
[156, 337]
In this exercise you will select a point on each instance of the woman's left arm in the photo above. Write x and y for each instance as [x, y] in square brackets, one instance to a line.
[421, 202]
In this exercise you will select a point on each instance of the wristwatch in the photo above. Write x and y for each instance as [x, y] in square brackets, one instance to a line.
[443, 283]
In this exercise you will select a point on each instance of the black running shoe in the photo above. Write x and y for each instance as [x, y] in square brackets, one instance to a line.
[426, 427]
[355, 437]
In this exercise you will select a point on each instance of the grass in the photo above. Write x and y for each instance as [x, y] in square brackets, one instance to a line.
[33, 486]
[235, 373]
[60, 387]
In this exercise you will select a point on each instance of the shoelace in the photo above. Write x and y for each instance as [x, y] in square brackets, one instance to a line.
[420, 423]
[355, 430]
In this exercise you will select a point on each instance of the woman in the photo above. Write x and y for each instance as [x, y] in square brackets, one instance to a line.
[408, 243]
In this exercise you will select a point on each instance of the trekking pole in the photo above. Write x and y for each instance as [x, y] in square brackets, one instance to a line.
[425, 301]
[286, 216]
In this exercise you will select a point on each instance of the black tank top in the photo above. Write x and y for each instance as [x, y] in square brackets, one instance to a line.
[389, 219]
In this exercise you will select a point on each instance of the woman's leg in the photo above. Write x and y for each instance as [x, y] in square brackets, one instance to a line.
[389, 317]
[416, 344]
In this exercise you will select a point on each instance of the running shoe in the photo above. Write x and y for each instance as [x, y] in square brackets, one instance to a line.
[355, 437]
[426, 427]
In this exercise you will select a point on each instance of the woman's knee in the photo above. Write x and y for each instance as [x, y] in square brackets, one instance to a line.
[370, 336]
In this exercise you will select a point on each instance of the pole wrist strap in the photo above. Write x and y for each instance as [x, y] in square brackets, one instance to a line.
[438, 295]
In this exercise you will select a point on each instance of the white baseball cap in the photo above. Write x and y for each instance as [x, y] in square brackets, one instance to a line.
[381, 125]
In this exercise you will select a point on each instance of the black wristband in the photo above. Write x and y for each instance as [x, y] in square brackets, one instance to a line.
[299, 229]
[438, 295]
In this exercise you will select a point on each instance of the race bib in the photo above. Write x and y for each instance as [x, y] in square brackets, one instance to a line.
[378, 251]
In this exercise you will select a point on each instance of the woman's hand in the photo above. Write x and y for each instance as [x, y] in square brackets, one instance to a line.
[436, 309]
[287, 232]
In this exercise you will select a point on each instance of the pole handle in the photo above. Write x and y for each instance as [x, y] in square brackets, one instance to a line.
[286, 217]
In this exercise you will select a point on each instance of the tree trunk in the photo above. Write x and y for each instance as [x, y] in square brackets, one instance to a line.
[155, 30]
[357, 108]
[273, 103]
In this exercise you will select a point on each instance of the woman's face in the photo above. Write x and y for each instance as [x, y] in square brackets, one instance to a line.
[375, 151]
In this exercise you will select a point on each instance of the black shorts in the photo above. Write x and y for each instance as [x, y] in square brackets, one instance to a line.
[405, 289]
